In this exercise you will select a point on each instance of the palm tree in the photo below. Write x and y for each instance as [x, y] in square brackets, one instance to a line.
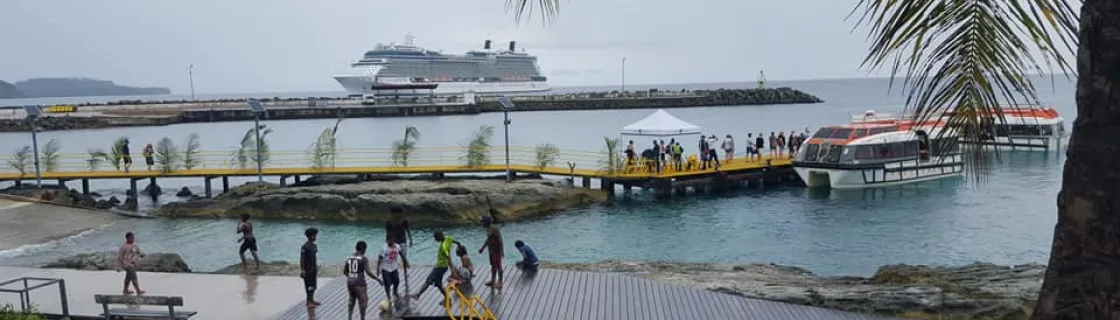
[403, 148]
[970, 56]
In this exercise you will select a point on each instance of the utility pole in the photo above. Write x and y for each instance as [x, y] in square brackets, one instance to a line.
[190, 73]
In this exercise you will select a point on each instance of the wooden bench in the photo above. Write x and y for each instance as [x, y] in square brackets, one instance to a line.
[122, 313]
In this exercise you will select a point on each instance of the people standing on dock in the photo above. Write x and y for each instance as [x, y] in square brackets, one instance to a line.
[703, 150]
[496, 250]
[397, 228]
[309, 265]
[630, 153]
[729, 148]
[678, 152]
[149, 153]
[443, 260]
[773, 144]
[713, 156]
[126, 155]
[128, 259]
[759, 144]
[388, 265]
[794, 143]
[751, 151]
[781, 144]
[529, 259]
[248, 241]
[656, 157]
[356, 269]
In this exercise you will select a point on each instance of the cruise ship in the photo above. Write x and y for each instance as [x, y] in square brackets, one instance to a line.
[412, 67]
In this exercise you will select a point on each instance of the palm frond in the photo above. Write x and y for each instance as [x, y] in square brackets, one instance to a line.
[546, 154]
[612, 162]
[402, 149]
[322, 152]
[21, 159]
[51, 155]
[167, 155]
[478, 150]
[192, 155]
[549, 9]
[116, 152]
[962, 60]
[96, 156]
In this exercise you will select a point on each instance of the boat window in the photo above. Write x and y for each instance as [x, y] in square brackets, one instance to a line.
[843, 133]
[823, 133]
[883, 130]
[864, 152]
[860, 133]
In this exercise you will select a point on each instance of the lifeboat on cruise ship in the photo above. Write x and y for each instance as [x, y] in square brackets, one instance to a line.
[876, 150]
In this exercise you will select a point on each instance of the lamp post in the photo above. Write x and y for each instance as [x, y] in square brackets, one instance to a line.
[190, 73]
[507, 105]
[33, 112]
[258, 109]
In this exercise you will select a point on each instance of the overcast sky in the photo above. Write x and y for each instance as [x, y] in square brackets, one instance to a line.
[247, 46]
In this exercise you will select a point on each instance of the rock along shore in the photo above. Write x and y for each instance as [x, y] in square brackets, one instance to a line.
[975, 291]
[344, 198]
[158, 113]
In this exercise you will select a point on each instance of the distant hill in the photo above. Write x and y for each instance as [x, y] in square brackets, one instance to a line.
[7, 90]
[80, 87]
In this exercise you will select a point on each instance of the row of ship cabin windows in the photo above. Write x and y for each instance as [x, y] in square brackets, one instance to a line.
[886, 151]
[850, 133]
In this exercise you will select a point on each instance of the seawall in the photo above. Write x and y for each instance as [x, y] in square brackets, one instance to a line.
[175, 112]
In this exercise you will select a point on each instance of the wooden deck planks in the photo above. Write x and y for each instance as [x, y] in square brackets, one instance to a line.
[561, 294]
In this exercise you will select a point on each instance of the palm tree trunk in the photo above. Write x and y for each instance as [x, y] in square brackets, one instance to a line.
[1083, 279]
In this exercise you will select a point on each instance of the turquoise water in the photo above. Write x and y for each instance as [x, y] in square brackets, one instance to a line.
[1007, 219]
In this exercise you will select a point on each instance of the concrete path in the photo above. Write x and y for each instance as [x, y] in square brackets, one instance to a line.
[213, 296]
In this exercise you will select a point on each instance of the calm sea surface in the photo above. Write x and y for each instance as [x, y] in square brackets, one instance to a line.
[1008, 219]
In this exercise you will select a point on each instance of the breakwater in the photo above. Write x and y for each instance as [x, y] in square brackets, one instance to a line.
[173, 112]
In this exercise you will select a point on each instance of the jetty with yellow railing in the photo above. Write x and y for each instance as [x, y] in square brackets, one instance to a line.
[579, 167]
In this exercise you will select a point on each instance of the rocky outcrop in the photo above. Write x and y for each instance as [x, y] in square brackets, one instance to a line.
[975, 291]
[152, 262]
[55, 194]
[423, 201]
[279, 268]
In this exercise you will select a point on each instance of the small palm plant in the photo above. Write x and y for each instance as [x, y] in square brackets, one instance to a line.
[478, 150]
[116, 152]
[402, 149]
[21, 159]
[247, 152]
[192, 155]
[546, 154]
[51, 155]
[96, 156]
[322, 152]
[167, 155]
[612, 161]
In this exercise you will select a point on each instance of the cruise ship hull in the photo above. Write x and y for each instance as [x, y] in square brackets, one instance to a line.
[883, 175]
[362, 85]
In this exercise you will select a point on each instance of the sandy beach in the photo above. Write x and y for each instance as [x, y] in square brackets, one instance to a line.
[27, 223]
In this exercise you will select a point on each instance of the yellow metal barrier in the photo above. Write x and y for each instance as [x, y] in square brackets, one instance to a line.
[467, 304]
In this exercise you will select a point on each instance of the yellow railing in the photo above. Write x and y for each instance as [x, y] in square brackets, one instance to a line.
[467, 309]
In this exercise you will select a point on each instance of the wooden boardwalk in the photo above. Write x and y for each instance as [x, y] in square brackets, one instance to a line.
[560, 294]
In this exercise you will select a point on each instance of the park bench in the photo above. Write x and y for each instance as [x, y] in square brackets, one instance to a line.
[128, 313]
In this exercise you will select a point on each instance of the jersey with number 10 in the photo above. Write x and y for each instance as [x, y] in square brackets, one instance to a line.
[355, 270]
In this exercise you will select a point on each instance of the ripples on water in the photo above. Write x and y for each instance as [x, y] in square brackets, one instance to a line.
[1008, 219]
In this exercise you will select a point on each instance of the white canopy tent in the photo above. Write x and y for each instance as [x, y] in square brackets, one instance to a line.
[660, 124]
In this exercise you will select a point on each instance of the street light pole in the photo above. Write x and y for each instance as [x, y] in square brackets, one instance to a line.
[190, 73]
[257, 131]
[509, 175]
[623, 73]
[35, 149]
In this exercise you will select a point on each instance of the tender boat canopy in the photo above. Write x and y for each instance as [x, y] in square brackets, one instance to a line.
[660, 124]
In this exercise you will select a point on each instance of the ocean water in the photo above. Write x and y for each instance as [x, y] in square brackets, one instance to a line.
[1007, 219]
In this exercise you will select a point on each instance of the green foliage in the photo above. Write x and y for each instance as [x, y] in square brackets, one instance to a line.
[546, 154]
[51, 155]
[21, 159]
[167, 155]
[247, 152]
[115, 155]
[524, 8]
[192, 155]
[322, 152]
[402, 149]
[7, 312]
[968, 57]
[612, 161]
[478, 150]
[96, 156]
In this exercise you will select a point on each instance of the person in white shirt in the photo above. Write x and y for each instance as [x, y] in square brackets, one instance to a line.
[387, 262]
[729, 148]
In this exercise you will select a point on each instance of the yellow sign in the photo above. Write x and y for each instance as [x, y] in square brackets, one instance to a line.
[61, 109]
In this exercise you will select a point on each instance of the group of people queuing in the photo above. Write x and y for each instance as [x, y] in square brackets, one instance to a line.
[662, 154]
[125, 160]
[394, 257]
